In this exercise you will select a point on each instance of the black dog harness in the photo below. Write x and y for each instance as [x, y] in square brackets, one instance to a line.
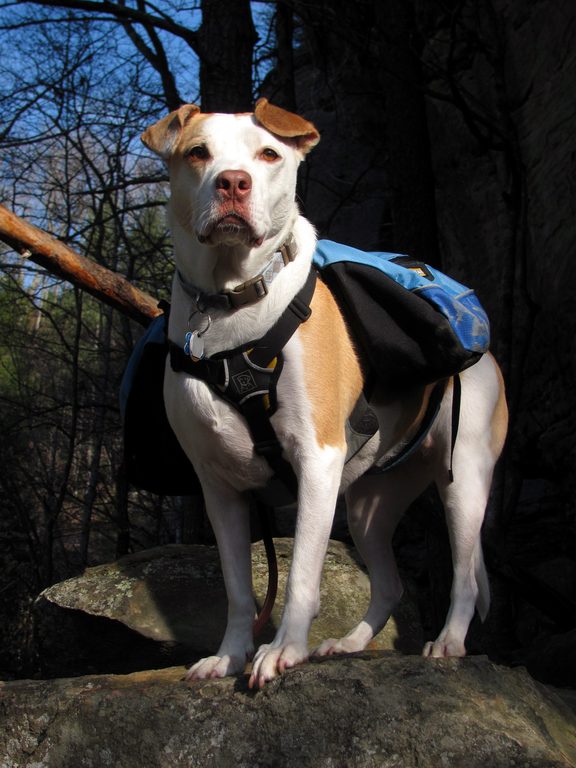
[246, 377]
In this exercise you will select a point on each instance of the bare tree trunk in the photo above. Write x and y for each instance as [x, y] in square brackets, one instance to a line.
[226, 44]
[97, 429]
[412, 188]
[285, 96]
[122, 514]
[62, 460]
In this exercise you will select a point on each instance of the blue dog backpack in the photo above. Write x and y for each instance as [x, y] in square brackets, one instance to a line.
[412, 325]
[153, 458]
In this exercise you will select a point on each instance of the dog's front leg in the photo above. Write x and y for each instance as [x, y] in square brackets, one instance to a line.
[318, 484]
[229, 516]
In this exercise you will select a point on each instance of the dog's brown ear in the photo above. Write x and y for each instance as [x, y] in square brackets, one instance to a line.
[287, 125]
[162, 137]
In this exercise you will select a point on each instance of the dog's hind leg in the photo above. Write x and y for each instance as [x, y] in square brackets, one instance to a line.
[375, 505]
[483, 422]
[229, 516]
[464, 502]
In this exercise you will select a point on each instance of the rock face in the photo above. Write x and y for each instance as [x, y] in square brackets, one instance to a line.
[167, 606]
[370, 711]
[493, 142]
[506, 208]
[505, 211]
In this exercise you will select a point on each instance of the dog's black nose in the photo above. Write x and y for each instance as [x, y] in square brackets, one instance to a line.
[234, 184]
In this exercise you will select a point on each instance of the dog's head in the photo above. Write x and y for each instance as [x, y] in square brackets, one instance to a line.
[232, 176]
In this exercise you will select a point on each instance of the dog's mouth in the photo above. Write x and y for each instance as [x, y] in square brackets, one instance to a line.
[231, 228]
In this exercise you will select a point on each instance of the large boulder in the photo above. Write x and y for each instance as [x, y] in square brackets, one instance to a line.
[167, 606]
[369, 711]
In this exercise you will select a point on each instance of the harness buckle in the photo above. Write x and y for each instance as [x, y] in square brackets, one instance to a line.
[247, 293]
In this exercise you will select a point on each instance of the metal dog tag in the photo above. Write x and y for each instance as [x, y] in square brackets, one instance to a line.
[194, 346]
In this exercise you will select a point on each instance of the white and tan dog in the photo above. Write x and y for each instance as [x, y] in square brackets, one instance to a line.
[232, 207]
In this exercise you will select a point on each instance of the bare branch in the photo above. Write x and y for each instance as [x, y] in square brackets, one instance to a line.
[156, 56]
[59, 259]
[122, 12]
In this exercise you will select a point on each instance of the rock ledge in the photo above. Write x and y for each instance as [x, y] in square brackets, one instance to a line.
[371, 710]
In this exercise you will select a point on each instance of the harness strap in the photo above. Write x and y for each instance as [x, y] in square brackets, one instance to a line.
[297, 312]
[266, 443]
[425, 425]
[456, 402]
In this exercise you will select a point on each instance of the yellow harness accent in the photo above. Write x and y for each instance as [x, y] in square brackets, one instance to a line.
[271, 367]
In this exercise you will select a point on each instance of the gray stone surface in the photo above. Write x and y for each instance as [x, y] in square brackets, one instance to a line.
[379, 710]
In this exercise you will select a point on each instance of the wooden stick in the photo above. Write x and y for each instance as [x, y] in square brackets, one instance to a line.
[60, 260]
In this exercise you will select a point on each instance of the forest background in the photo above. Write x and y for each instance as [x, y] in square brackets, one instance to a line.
[447, 132]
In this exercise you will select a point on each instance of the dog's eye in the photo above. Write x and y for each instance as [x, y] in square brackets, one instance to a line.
[199, 152]
[269, 155]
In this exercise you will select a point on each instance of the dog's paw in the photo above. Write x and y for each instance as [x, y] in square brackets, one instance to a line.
[444, 648]
[333, 646]
[270, 661]
[215, 666]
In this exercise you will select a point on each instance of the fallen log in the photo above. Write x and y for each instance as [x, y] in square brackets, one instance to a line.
[62, 261]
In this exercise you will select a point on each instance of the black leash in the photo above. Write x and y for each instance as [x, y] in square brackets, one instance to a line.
[272, 589]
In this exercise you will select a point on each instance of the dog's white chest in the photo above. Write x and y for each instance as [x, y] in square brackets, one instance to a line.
[213, 434]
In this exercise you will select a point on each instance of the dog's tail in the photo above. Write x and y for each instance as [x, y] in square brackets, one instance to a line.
[483, 595]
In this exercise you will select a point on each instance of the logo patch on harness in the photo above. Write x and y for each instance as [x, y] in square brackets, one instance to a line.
[244, 382]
